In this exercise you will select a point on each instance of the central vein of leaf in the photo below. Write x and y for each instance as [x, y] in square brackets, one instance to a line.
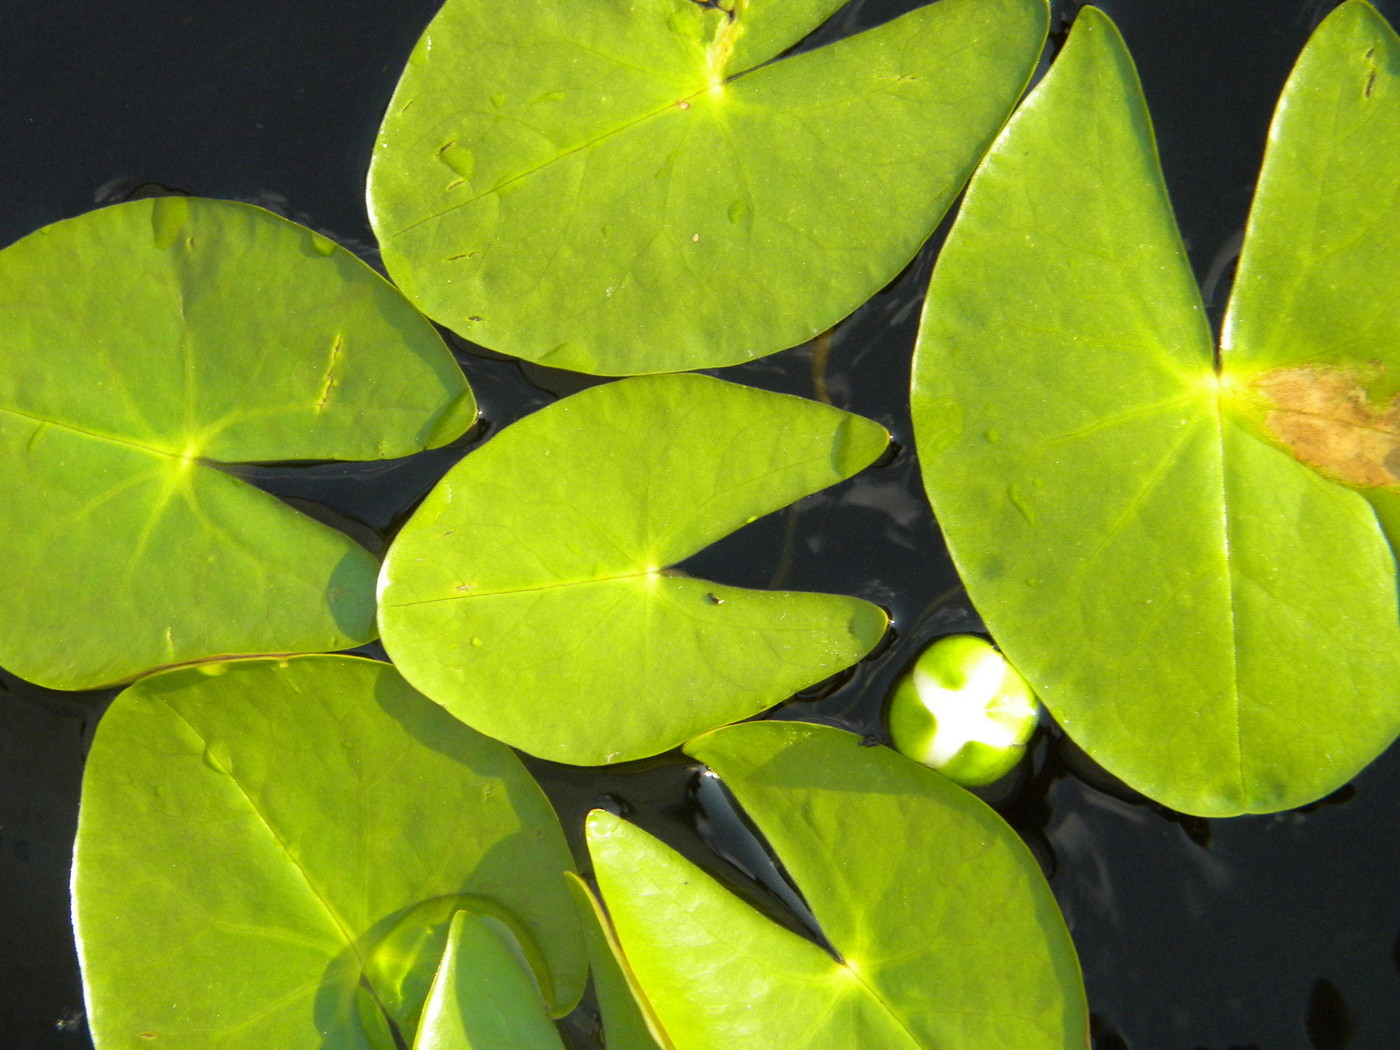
[647, 577]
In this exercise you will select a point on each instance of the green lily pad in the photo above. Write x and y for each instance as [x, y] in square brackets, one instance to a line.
[251, 831]
[628, 1020]
[628, 188]
[963, 710]
[530, 595]
[1211, 619]
[943, 932]
[144, 344]
[1312, 331]
[484, 997]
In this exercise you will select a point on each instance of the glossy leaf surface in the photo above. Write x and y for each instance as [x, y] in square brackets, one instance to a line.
[145, 343]
[251, 830]
[1212, 620]
[628, 1022]
[944, 931]
[628, 188]
[483, 997]
[530, 595]
[1312, 330]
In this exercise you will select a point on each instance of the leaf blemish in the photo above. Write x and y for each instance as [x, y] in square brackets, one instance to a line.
[328, 382]
[715, 5]
[1325, 417]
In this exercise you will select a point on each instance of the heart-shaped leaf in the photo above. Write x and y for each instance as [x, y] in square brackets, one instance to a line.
[251, 831]
[943, 931]
[626, 188]
[1209, 618]
[142, 345]
[530, 595]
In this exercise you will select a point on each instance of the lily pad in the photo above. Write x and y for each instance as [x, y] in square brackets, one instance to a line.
[250, 831]
[484, 997]
[941, 931]
[1312, 330]
[628, 188]
[530, 595]
[1209, 617]
[143, 345]
[628, 1021]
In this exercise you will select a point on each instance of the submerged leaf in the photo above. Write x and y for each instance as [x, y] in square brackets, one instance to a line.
[530, 594]
[143, 345]
[627, 188]
[944, 932]
[1211, 619]
[251, 831]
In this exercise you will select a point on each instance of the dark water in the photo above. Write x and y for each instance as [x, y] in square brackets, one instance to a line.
[1272, 933]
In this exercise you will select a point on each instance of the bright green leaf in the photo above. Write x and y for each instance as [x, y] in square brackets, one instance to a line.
[1212, 621]
[945, 932]
[401, 965]
[483, 997]
[963, 710]
[251, 831]
[145, 343]
[626, 188]
[1312, 333]
[530, 595]
[628, 1021]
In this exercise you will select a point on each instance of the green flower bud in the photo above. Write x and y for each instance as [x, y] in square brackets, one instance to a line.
[963, 710]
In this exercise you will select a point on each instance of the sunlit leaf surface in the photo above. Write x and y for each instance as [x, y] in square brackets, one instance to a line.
[251, 830]
[622, 188]
[530, 593]
[628, 1023]
[1211, 618]
[483, 997]
[943, 932]
[146, 343]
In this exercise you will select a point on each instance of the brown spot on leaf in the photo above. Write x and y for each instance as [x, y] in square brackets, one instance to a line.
[1325, 416]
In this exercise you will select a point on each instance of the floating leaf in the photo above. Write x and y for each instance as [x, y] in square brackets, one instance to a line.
[530, 594]
[963, 710]
[628, 1022]
[483, 997]
[943, 931]
[251, 831]
[1209, 618]
[144, 344]
[626, 188]
[1312, 333]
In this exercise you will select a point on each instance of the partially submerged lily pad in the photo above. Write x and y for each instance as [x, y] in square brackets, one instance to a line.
[963, 710]
[531, 593]
[143, 345]
[942, 932]
[251, 831]
[627, 188]
[1178, 554]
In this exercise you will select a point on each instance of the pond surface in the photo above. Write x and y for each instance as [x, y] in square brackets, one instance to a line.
[1271, 933]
